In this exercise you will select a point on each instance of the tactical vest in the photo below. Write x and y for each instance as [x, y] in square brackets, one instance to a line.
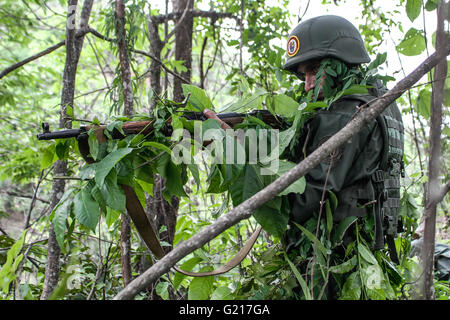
[386, 180]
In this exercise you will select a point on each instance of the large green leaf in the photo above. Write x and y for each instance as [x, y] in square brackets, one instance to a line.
[198, 98]
[157, 145]
[313, 239]
[284, 105]
[201, 287]
[283, 167]
[345, 267]
[431, 5]
[174, 183]
[246, 185]
[86, 209]
[112, 192]
[59, 215]
[366, 254]
[340, 230]
[104, 167]
[413, 44]
[352, 287]
[424, 103]
[413, 8]
[273, 217]
[222, 293]
[300, 279]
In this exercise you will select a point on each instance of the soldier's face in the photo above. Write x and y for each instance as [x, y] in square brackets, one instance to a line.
[309, 71]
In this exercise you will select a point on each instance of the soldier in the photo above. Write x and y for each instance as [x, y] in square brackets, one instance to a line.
[365, 171]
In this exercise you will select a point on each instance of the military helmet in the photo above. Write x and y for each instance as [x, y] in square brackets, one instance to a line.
[323, 37]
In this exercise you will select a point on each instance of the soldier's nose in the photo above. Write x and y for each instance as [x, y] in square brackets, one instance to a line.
[310, 78]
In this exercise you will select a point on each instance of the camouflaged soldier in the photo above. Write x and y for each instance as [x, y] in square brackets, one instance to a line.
[366, 169]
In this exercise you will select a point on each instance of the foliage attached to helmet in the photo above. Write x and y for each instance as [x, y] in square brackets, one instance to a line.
[338, 48]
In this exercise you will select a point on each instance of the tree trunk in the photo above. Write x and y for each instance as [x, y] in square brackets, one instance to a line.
[124, 59]
[125, 235]
[73, 50]
[183, 43]
[433, 189]
[156, 46]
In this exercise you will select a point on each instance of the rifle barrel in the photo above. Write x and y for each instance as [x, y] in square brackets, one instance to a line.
[63, 134]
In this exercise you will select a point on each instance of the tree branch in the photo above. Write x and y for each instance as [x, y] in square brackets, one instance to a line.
[246, 209]
[195, 13]
[32, 58]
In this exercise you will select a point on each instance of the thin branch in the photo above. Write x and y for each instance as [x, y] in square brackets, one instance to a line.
[33, 199]
[32, 58]
[162, 65]
[18, 195]
[195, 13]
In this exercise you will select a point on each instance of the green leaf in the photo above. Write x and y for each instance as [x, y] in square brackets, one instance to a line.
[246, 185]
[198, 98]
[59, 215]
[111, 216]
[284, 105]
[222, 293]
[157, 145]
[378, 61]
[413, 8]
[7, 273]
[174, 184]
[283, 167]
[93, 144]
[112, 192]
[88, 171]
[201, 287]
[431, 5]
[366, 254]
[372, 278]
[107, 163]
[299, 277]
[195, 173]
[298, 186]
[352, 287]
[340, 230]
[313, 239]
[424, 103]
[271, 218]
[186, 266]
[62, 148]
[356, 89]
[48, 156]
[86, 209]
[345, 267]
[413, 44]
[162, 289]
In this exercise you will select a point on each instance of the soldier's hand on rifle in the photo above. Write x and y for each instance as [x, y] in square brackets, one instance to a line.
[212, 115]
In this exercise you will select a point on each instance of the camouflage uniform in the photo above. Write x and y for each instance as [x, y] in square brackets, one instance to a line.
[366, 168]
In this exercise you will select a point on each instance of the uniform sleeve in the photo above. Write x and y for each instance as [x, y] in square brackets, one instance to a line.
[356, 159]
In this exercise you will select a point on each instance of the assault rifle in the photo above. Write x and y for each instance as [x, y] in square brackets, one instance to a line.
[144, 127]
[133, 205]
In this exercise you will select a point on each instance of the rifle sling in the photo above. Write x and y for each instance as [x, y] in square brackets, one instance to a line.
[145, 229]
[148, 235]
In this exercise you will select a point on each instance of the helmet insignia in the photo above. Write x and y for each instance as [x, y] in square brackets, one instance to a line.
[293, 46]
